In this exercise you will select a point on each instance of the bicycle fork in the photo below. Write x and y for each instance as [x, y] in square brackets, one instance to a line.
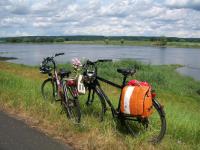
[90, 99]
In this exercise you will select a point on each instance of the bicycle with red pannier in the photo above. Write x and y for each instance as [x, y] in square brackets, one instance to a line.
[138, 109]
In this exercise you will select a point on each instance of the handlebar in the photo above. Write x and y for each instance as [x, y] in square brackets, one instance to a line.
[47, 59]
[88, 62]
[58, 54]
[104, 60]
[125, 72]
[51, 59]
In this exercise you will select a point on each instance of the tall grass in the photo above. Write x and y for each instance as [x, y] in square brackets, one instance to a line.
[20, 91]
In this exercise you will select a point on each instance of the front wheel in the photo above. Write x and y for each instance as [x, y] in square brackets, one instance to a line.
[71, 104]
[151, 129]
[98, 105]
[49, 90]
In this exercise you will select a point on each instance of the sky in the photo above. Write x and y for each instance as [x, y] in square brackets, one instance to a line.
[177, 18]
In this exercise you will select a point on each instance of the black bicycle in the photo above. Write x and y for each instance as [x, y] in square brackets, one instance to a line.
[152, 128]
[59, 87]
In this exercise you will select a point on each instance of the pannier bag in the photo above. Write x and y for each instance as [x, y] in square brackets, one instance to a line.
[136, 99]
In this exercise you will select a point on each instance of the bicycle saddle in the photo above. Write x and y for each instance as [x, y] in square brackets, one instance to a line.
[126, 72]
[64, 73]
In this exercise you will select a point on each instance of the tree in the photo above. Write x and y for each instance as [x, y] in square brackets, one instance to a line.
[162, 41]
[122, 41]
[106, 41]
[26, 40]
[59, 40]
[38, 40]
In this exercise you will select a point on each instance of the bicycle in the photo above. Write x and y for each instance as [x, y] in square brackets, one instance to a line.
[60, 88]
[135, 125]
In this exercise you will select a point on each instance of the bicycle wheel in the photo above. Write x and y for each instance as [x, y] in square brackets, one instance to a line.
[99, 106]
[151, 129]
[71, 104]
[49, 90]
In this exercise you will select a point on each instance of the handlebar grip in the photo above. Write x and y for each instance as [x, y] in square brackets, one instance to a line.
[58, 54]
[105, 60]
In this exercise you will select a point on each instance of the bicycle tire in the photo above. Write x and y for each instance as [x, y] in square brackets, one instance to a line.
[71, 104]
[49, 89]
[132, 127]
[98, 91]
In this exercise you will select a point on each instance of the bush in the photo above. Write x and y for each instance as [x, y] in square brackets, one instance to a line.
[59, 40]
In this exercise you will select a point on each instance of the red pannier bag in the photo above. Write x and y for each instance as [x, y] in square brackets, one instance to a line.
[136, 99]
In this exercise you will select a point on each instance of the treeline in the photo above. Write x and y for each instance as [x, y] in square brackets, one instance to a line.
[51, 39]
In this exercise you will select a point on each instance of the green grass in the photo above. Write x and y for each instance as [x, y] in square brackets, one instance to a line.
[184, 44]
[137, 43]
[125, 43]
[20, 92]
[112, 42]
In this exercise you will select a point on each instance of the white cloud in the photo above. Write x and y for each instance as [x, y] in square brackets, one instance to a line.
[100, 17]
[41, 24]
[12, 21]
[153, 11]
[191, 4]
[14, 34]
[19, 7]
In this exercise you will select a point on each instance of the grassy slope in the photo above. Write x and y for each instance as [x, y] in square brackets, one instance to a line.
[20, 92]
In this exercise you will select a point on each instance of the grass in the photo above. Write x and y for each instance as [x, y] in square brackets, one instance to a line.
[20, 92]
[184, 44]
[112, 42]
[137, 43]
[124, 43]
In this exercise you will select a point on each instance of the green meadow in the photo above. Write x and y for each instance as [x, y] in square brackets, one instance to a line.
[136, 43]
[20, 95]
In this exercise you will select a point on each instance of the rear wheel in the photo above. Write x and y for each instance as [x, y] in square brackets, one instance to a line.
[49, 90]
[151, 129]
[71, 104]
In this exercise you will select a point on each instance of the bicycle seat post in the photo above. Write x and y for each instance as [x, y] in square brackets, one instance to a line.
[124, 80]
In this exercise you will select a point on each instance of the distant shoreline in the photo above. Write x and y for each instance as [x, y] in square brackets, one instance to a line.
[116, 42]
[6, 58]
[138, 43]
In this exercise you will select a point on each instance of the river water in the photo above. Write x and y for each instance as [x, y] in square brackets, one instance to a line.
[32, 54]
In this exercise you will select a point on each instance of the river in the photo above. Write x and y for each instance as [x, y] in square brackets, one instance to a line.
[32, 54]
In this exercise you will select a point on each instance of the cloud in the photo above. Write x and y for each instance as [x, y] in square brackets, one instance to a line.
[4, 2]
[121, 9]
[49, 7]
[100, 17]
[18, 7]
[190, 4]
[12, 21]
[14, 34]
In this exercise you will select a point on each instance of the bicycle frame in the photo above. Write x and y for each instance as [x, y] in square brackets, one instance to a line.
[115, 112]
[54, 76]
